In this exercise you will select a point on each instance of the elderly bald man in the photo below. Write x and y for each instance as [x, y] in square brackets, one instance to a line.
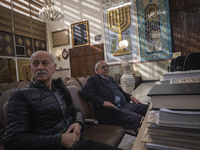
[111, 104]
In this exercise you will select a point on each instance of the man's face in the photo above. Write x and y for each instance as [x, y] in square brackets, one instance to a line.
[103, 69]
[42, 66]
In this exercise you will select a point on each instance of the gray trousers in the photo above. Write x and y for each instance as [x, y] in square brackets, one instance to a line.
[129, 115]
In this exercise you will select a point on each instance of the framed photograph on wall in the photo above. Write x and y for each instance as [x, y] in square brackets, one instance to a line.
[80, 34]
[60, 38]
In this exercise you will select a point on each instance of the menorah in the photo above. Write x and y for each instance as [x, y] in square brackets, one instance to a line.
[118, 21]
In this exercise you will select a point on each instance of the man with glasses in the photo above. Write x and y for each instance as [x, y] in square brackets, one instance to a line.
[111, 104]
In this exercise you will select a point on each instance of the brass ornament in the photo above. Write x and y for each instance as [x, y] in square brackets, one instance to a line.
[118, 21]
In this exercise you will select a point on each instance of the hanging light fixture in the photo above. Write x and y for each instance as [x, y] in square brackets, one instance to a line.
[50, 12]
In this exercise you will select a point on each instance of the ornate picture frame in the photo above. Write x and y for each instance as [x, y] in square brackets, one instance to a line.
[60, 38]
[80, 34]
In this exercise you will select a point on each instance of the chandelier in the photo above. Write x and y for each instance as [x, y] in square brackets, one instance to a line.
[50, 12]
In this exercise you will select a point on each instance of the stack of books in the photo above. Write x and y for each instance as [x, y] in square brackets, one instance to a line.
[169, 76]
[185, 80]
[174, 120]
[181, 74]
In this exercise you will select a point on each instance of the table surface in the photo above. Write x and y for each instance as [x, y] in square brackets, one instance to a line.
[142, 90]
[138, 145]
[141, 94]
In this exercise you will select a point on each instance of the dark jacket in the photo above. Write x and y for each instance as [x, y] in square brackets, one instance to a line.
[96, 91]
[36, 119]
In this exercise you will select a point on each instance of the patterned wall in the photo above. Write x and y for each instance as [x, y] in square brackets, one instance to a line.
[9, 44]
[148, 34]
[39, 45]
[154, 29]
[6, 44]
[26, 43]
[23, 69]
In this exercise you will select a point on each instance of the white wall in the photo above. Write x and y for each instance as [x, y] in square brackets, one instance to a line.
[76, 11]
[91, 10]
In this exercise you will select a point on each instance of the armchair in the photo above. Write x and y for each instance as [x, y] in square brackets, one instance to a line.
[107, 134]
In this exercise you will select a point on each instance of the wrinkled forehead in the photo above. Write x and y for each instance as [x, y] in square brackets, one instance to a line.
[41, 56]
[102, 63]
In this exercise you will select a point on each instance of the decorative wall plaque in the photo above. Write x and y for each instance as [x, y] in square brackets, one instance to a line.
[80, 34]
[60, 38]
[65, 54]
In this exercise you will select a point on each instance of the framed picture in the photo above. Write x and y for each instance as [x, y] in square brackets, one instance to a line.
[60, 38]
[80, 34]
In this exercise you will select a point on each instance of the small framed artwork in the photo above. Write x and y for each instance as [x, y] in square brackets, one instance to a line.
[60, 38]
[80, 34]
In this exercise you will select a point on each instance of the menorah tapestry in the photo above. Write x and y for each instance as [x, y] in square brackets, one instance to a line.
[154, 29]
[119, 26]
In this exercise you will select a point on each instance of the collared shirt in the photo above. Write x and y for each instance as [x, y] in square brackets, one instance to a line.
[103, 76]
[116, 91]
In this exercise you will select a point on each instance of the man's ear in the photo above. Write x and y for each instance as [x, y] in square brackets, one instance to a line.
[55, 65]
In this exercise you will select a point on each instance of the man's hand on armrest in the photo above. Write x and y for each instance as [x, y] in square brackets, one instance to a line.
[134, 100]
[109, 105]
[92, 121]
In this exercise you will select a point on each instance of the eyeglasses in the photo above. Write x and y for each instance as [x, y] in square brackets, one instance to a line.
[103, 67]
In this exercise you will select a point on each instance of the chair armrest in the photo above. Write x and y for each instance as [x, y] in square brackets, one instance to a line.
[112, 108]
[131, 132]
[92, 121]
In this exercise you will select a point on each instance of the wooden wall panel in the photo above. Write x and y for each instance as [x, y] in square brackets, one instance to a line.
[5, 20]
[23, 23]
[83, 59]
[39, 45]
[26, 43]
[185, 18]
[38, 30]
[91, 61]
[10, 42]
[74, 64]
[6, 44]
